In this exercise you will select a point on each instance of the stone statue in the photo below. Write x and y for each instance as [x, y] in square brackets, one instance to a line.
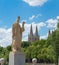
[17, 35]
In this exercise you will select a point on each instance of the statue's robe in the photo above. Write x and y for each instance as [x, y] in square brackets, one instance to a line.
[16, 37]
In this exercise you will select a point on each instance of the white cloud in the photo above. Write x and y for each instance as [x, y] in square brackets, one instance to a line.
[43, 37]
[51, 23]
[41, 24]
[32, 17]
[5, 37]
[57, 17]
[35, 2]
[38, 15]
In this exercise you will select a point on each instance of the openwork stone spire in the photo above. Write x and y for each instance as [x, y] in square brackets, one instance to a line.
[31, 31]
[36, 32]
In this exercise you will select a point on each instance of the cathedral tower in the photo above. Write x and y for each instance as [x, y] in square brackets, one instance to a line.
[33, 37]
[30, 36]
[36, 34]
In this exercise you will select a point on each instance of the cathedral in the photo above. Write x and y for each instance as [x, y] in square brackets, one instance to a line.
[33, 37]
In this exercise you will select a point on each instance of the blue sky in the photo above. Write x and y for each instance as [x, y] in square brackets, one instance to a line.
[42, 13]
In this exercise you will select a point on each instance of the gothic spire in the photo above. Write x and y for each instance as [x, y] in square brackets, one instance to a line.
[49, 33]
[31, 31]
[36, 32]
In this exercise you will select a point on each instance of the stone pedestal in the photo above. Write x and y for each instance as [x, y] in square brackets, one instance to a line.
[16, 58]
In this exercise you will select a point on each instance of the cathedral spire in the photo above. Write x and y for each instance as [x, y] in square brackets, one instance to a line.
[31, 36]
[49, 33]
[31, 31]
[36, 32]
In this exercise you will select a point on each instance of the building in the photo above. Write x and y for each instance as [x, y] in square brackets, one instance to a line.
[33, 37]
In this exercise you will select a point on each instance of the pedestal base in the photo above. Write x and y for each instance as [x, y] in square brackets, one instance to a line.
[16, 58]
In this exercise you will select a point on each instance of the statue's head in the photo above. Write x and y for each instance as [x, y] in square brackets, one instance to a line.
[18, 19]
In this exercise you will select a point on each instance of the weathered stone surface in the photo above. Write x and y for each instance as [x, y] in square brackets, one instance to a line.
[16, 58]
[17, 35]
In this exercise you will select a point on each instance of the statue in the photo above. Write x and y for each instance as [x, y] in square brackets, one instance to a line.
[17, 35]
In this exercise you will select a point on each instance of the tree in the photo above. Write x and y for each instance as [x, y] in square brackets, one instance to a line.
[57, 45]
[9, 48]
[25, 44]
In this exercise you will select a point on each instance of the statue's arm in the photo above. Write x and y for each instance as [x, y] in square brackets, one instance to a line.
[22, 29]
[23, 26]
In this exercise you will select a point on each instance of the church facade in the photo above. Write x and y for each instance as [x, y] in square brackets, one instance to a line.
[33, 37]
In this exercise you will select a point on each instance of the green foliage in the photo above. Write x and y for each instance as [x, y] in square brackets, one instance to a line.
[8, 48]
[25, 44]
[4, 52]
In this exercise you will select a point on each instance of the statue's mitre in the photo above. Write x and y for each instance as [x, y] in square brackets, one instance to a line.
[18, 19]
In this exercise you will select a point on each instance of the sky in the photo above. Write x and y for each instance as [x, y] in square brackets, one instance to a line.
[40, 13]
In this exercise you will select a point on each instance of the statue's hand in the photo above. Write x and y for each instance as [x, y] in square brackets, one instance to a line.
[23, 22]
